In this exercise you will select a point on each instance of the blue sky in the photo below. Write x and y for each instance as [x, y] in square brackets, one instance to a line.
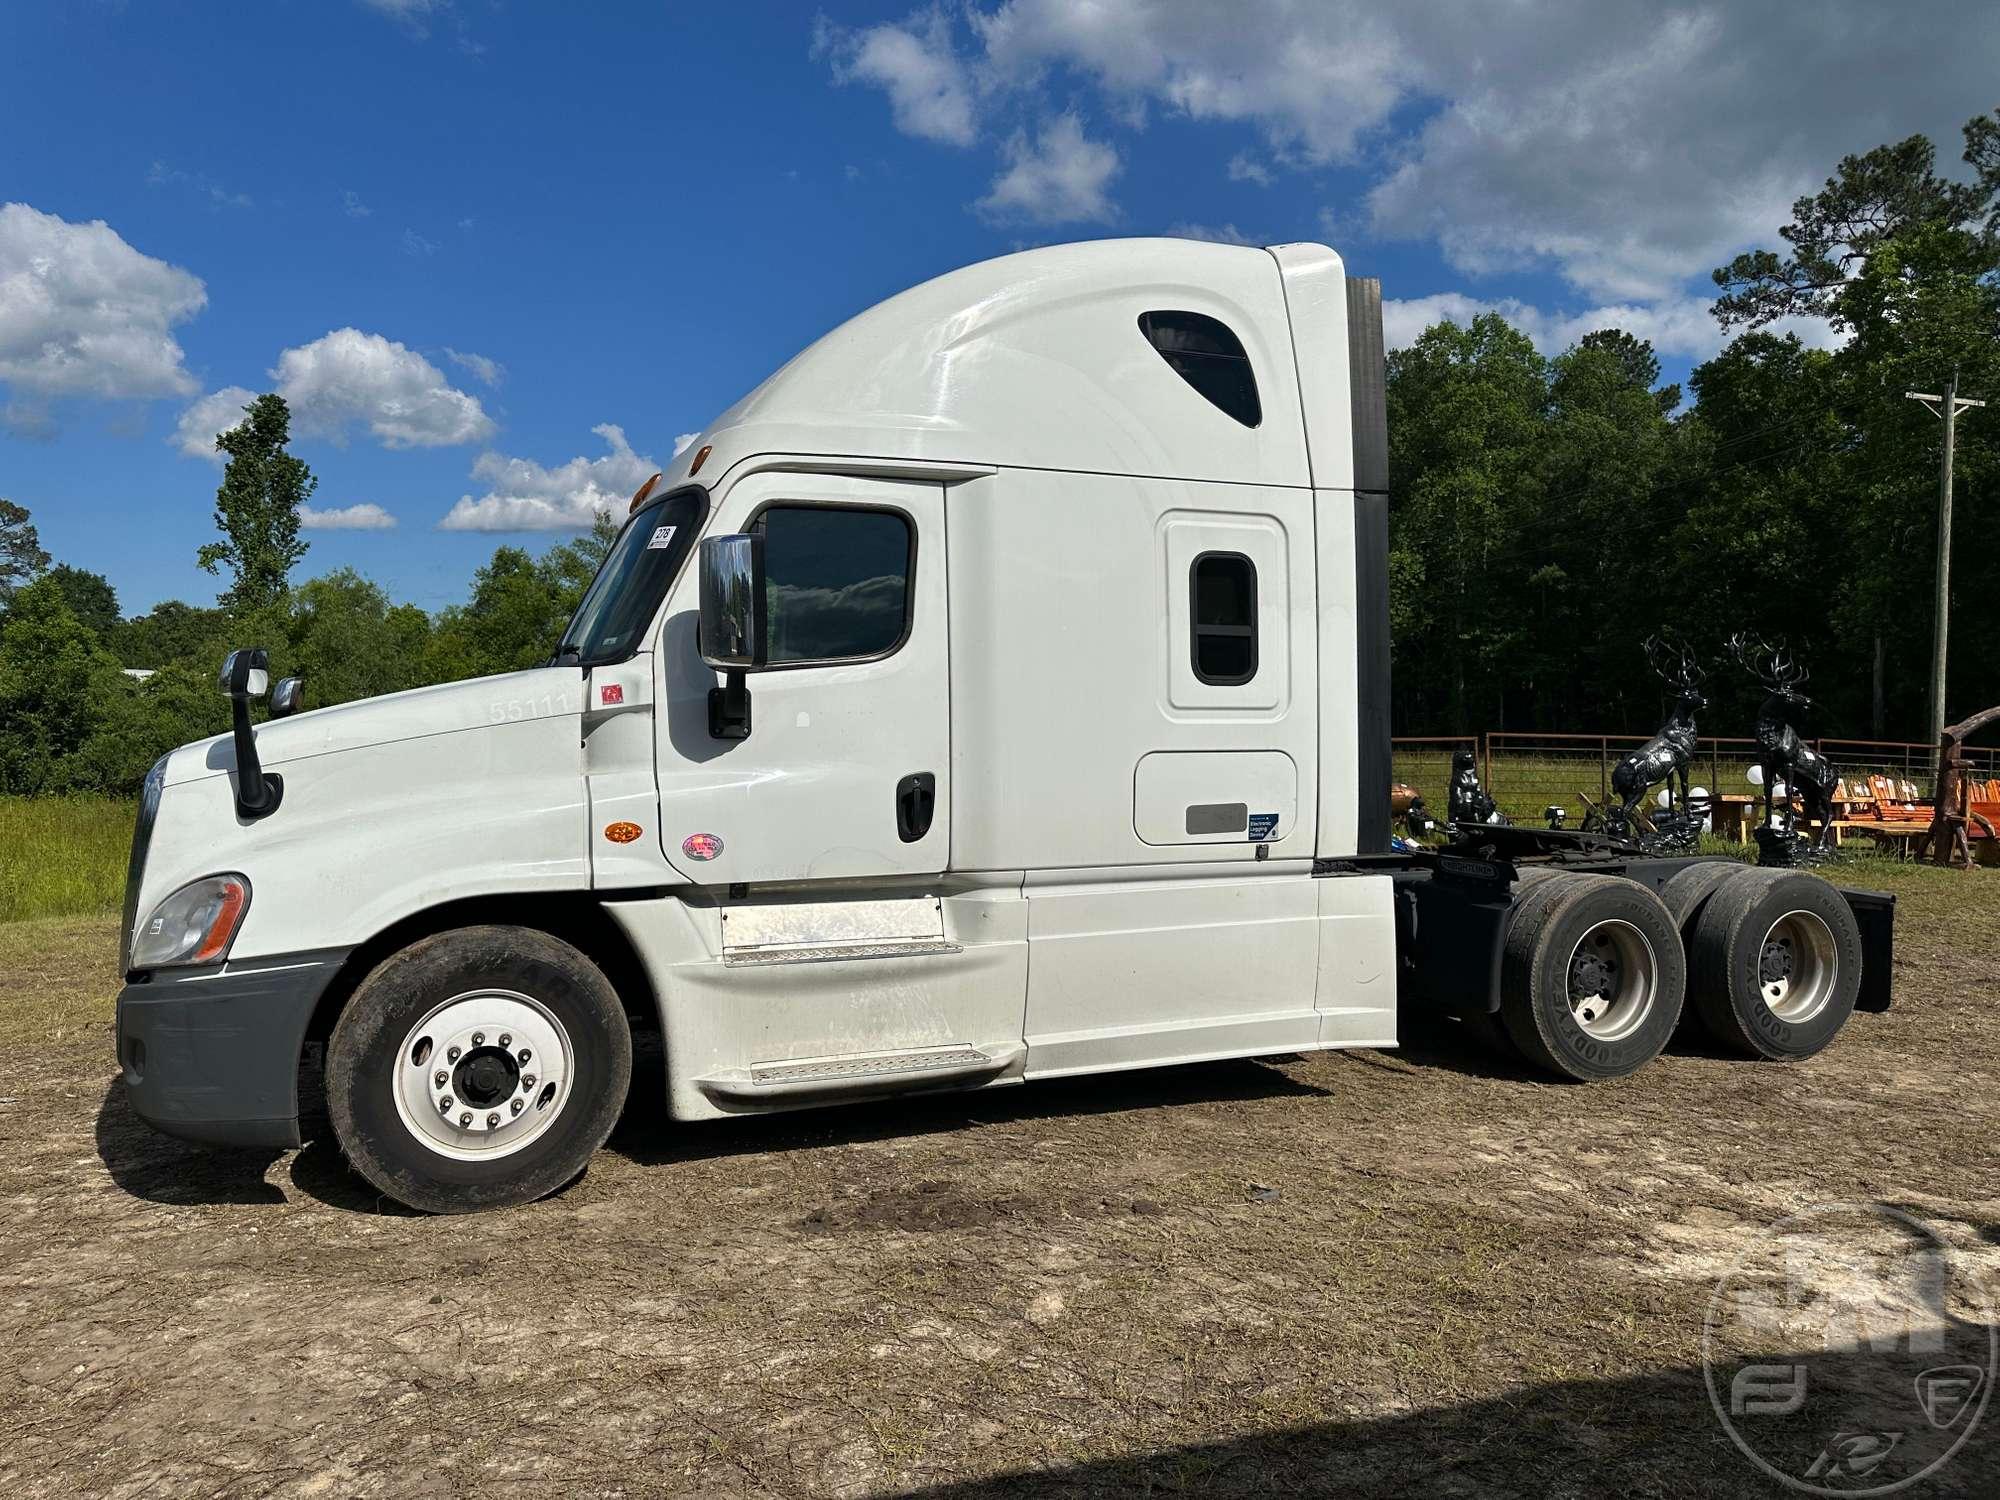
[502, 256]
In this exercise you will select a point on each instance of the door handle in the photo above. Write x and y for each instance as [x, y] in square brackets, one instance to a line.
[916, 801]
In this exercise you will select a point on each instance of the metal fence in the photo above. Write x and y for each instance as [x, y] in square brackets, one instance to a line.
[1527, 773]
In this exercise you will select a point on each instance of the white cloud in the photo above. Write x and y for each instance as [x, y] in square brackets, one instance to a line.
[31, 421]
[415, 244]
[1221, 234]
[82, 313]
[411, 13]
[349, 377]
[366, 516]
[682, 440]
[1058, 178]
[1679, 327]
[219, 196]
[214, 414]
[478, 366]
[351, 204]
[915, 64]
[1313, 77]
[1627, 146]
[523, 495]
[1243, 167]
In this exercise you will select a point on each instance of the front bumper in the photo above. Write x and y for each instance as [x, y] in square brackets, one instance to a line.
[214, 1056]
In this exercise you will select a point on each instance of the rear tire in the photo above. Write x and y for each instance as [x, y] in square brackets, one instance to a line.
[1687, 892]
[479, 1068]
[1592, 976]
[1776, 965]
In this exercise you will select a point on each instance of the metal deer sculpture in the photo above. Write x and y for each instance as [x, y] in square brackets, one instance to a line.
[1670, 753]
[1785, 757]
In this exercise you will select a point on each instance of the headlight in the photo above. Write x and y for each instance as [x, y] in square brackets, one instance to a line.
[194, 925]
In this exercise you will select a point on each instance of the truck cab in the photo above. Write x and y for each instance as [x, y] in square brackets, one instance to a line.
[998, 692]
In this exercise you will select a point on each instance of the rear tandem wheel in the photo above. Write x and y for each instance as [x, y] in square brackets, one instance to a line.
[1592, 976]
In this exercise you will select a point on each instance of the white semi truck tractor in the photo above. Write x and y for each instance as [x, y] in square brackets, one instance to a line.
[998, 692]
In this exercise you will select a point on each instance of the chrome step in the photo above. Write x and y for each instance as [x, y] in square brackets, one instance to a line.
[859, 1073]
[869, 1065]
[827, 953]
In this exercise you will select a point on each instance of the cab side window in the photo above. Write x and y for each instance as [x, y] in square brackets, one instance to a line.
[836, 581]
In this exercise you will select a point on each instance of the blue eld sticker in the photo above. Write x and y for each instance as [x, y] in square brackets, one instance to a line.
[1262, 826]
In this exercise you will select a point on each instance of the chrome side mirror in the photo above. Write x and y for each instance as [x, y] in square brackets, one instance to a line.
[288, 697]
[732, 602]
[246, 674]
[732, 626]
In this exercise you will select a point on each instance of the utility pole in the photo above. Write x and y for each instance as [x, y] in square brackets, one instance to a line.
[1947, 406]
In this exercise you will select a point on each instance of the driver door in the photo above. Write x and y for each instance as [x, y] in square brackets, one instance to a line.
[845, 774]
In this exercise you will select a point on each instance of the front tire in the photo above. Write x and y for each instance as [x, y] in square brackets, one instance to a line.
[479, 1068]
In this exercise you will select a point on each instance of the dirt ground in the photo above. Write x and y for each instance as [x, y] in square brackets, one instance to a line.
[1421, 1272]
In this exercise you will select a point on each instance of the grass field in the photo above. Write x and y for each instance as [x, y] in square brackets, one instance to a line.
[62, 856]
[1423, 1272]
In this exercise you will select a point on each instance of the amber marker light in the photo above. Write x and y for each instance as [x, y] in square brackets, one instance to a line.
[700, 458]
[223, 926]
[623, 833]
[641, 493]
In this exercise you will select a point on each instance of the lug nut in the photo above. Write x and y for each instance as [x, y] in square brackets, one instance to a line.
[516, 1106]
[525, 1054]
[479, 1039]
[527, 1080]
[506, 1041]
[465, 1119]
[451, 1054]
[441, 1078]
[444, 1105]
[492, 1120]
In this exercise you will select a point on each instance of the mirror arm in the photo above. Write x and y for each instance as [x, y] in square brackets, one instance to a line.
[257, 795]
[729, 707]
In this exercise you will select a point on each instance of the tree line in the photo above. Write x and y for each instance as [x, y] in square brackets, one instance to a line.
[73, 720]
[1547, 515]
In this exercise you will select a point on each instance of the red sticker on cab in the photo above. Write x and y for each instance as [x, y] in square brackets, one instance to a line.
[611, 693]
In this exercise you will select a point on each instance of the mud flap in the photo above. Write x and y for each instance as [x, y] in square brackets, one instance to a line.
[1875, 914]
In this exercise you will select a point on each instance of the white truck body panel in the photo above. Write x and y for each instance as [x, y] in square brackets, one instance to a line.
[1083, 897]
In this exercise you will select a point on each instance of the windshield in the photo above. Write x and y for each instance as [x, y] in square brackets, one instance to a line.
[629, 587]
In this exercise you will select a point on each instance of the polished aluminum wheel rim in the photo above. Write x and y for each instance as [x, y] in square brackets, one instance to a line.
[483, 1075]
[1613, 978]
[1796, 966]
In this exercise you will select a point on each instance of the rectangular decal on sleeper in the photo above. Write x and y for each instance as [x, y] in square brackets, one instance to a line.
[1262, 826]
[663, 536]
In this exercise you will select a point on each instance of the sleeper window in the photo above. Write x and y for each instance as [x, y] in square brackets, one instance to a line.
[1204, 353]
[1223, 608]
[836, 581]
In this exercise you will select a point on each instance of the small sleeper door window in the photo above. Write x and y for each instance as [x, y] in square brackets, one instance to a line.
[1224, 615]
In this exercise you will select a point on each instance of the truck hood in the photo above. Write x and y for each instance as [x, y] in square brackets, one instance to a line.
[450, 708]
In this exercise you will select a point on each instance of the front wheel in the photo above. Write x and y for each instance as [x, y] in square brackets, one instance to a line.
[478, 1068]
